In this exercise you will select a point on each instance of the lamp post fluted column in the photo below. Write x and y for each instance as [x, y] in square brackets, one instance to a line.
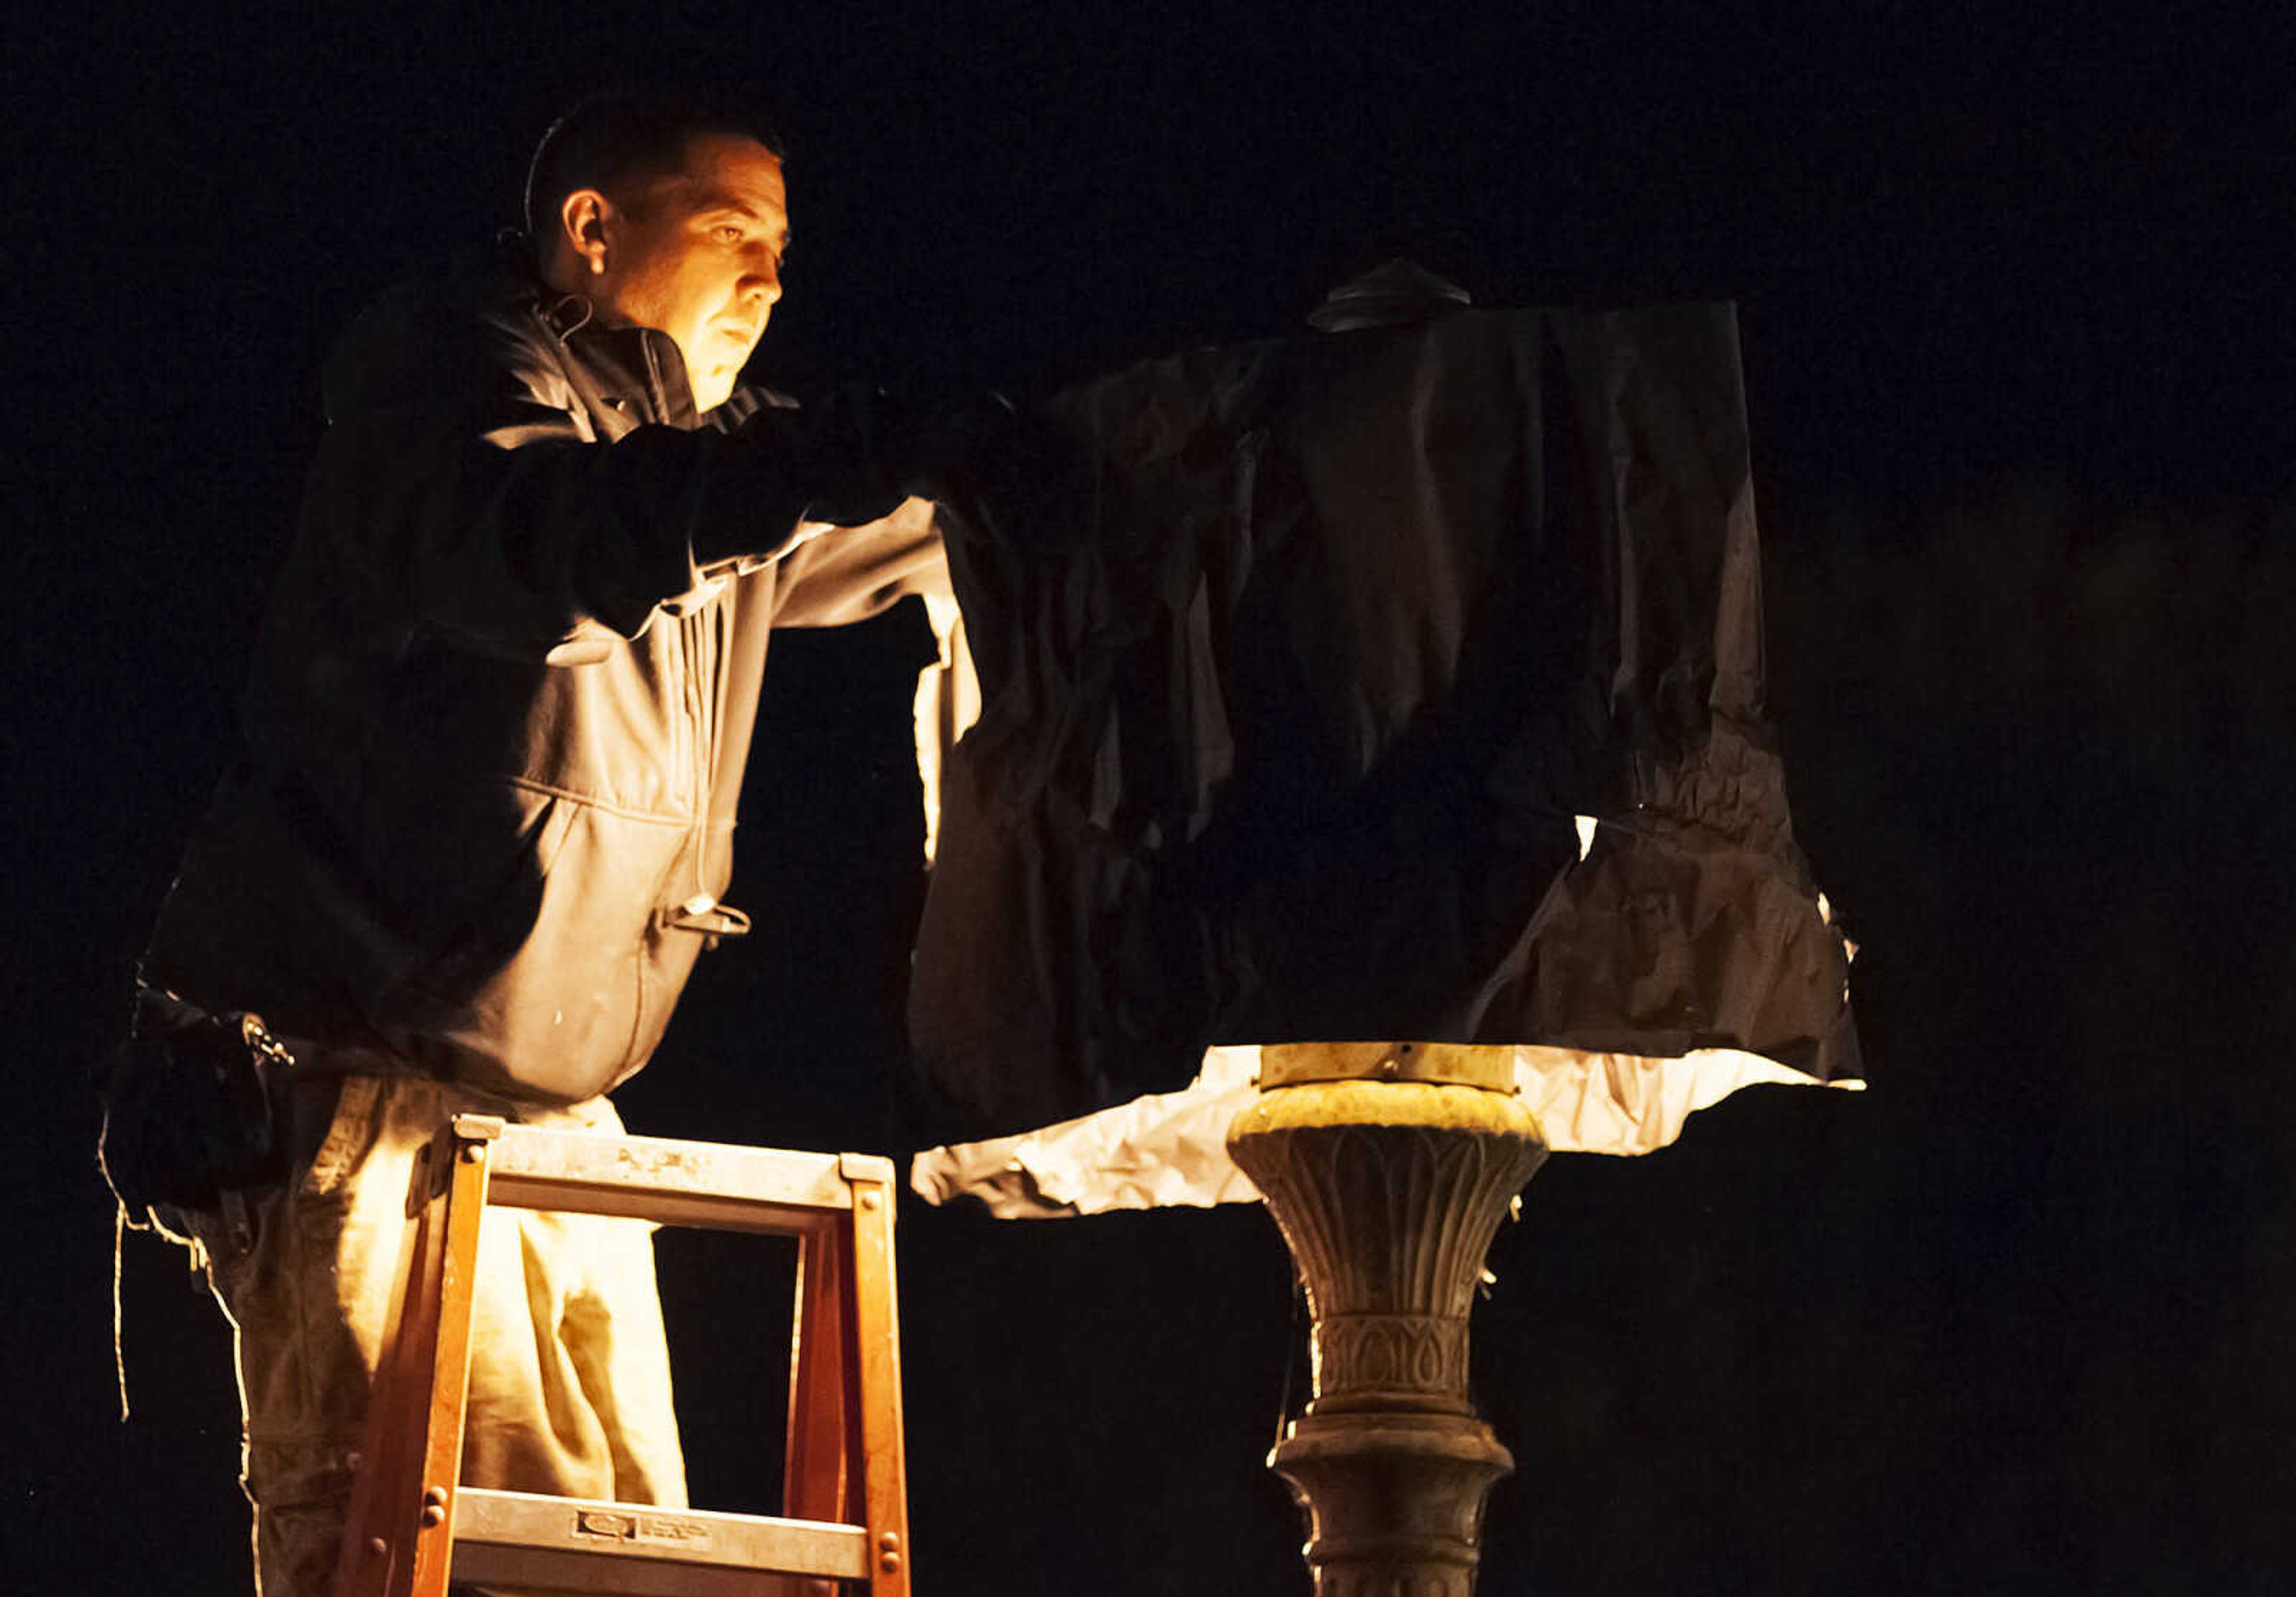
[1387, 1167]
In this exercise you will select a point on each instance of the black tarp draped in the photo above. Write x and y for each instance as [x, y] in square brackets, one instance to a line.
[1298, 660]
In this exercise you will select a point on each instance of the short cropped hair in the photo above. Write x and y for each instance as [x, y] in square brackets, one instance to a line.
[612, 138]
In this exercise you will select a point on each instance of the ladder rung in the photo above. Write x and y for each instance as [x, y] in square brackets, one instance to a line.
[720, 1185]
[573, 1544]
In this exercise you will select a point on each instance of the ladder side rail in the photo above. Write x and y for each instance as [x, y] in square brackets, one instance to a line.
[387, 1470]
[876, 1398]
[463, 1149]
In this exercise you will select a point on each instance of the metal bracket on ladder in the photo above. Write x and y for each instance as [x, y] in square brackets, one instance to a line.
[411, 1521]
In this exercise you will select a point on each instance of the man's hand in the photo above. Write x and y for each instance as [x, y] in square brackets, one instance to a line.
[853, 443]
[866, 449]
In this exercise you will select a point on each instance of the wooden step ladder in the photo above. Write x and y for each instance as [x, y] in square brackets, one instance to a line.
[412, 1521]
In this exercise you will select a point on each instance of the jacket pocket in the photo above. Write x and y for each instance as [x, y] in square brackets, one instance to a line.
[544, 993]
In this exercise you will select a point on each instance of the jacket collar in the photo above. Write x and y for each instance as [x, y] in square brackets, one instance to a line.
[638, 372]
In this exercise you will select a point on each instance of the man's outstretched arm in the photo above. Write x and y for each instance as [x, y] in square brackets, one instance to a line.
[456, 478]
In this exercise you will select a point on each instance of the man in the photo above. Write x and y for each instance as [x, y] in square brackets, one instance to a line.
[493, 742]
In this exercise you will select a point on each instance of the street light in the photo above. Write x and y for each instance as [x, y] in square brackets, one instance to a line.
[1402, 681]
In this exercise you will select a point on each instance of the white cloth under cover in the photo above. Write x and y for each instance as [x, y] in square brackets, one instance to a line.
[1169, 1150]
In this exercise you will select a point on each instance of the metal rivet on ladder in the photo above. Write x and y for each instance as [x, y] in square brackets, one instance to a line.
[434, 1506]
[868, 1200]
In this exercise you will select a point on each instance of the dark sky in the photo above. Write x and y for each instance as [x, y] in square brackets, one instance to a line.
[2013, 302]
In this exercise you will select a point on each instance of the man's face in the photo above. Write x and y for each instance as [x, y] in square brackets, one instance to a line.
[698, 255]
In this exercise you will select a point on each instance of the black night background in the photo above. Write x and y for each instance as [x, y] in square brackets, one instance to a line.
[2014, 301]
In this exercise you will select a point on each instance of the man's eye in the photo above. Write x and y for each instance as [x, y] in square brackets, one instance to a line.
[729, 235]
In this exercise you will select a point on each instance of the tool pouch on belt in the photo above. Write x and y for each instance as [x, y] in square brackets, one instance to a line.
[189, 1107]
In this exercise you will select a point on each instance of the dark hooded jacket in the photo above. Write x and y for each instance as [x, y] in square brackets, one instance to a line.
[502, 700]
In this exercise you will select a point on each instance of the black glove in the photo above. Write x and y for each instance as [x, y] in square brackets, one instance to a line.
[851, 444]
[981, 453]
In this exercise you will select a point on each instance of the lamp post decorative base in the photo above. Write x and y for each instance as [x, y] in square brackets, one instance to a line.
[1387, 1167]
[1395, 1503]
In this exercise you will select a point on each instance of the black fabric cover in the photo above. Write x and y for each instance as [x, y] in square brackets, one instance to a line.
[1297, 660]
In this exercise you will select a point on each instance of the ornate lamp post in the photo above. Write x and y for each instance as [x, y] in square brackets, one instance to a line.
[1387, 1167]
[1289, 717]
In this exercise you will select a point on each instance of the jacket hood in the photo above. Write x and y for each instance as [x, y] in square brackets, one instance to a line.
[397, 350]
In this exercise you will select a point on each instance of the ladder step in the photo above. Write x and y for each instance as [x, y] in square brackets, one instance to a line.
[574, 1544]
[716, 1185]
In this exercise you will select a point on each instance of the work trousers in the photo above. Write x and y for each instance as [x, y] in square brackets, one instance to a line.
[569, 1390]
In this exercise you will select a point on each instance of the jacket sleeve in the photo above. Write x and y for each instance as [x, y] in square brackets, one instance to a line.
[852, 573]
[837, 575]
[456, 478]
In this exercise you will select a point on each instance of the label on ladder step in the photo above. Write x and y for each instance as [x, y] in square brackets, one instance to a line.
[676, 1167]
[648, 1529]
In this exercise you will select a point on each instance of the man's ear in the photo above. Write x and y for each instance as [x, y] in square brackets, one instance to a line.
[583, 217]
